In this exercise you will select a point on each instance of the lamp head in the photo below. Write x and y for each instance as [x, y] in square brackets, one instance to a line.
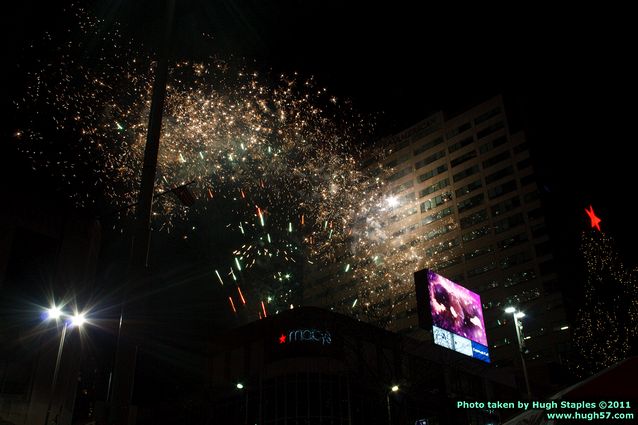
[78, 320]
[54, 313]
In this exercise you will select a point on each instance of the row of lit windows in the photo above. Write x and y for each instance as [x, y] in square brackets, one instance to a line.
[449, 263]
[515, 299]
[437, 216]
[460, 144]
[428, 160]
[402, 187]
[436, 201]
[433, 188]
[469, 188]
[454, 162]
[434, 172]
[504, 263]
[472, 219]
[442, 247]
[508, 281]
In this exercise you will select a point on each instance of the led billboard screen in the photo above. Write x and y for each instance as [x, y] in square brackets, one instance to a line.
[455, 314]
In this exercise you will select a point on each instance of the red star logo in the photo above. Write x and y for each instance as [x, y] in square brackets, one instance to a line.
[594, 220]
[282, 339]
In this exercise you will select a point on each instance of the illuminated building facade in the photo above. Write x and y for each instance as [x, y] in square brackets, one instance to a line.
[463, 201]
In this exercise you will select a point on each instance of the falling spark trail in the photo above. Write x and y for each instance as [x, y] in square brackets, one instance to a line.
[219, 277]
[243, 300]
[232, 304]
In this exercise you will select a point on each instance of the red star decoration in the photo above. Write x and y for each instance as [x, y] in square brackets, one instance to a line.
[282, 339]
[594, 220]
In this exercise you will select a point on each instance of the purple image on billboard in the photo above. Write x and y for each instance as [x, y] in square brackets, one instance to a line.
[456, 309]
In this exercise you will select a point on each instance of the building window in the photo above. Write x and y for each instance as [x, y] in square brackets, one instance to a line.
[481, 269]
[405, 214]
[473, 219]
[463, 158]
[458, 145]
[524, 163]
[401, 145]
[442, 247]
[437, 216]
[531, 196]
[512, 241]
[508, 223]
[479, 251]
[436, 201]
[437, 186]
[444, 264]
[487, 115]
[499, 174]
[397, 161]
[458, 130]
[499, 141]
[434, 172]
[489, 130]
[535, 214]
[487, 286]
[399, 174]
[469, 188]
[476, 233]
[496, 159]
[502, 189]
[505, 206]
[439, 231]
[514, 260]
[520, 277]
[427, 146]
[470, 203]
[402, 187]
[466, 173]
[430, 159]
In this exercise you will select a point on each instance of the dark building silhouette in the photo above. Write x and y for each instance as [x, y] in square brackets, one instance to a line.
[312, 366]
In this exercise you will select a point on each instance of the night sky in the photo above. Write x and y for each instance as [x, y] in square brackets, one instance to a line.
[567, 77]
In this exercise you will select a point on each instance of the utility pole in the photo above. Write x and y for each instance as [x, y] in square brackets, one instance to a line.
[137, 282]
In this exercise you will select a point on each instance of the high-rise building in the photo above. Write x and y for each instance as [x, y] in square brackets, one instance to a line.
[459, 197]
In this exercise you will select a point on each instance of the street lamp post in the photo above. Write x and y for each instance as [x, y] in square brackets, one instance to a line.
[518, 325]
[77, 320]
[240, 386]
[394, 389]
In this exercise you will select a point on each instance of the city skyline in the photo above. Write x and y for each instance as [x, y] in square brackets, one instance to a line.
[278, 120]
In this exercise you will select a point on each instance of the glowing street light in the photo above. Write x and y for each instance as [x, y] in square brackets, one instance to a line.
[240, 386]
[54, 313]
[76, 321]
[393, 389]
[518, 325]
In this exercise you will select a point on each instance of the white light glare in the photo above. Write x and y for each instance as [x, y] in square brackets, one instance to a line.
[392, 201]
[54, 313]
[78, 320]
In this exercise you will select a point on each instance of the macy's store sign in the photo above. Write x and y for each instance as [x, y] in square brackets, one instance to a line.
[306, 335]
